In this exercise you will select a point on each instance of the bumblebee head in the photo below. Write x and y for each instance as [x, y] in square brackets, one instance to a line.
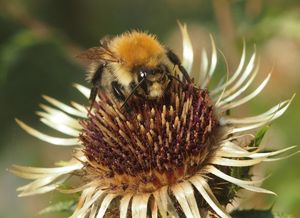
[151, 82]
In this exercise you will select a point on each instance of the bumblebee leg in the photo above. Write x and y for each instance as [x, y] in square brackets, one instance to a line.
[171, 77]
[93, 94]
[175, 60]
[96, 80]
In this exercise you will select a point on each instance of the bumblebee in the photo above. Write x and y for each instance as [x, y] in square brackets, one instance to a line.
[132, 64]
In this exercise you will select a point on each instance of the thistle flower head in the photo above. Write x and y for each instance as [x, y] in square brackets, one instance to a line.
[171, 157]
[158, 143]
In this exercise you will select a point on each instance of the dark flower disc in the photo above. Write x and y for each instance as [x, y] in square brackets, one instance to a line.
[154, 143]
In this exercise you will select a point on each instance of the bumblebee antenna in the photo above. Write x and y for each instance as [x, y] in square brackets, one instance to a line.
[132, 92]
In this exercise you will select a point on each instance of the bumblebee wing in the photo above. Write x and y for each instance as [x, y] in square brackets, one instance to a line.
[93, 58]
[95, 54]
[105, 41]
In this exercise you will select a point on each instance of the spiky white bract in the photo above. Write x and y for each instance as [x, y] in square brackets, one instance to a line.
[96, 199]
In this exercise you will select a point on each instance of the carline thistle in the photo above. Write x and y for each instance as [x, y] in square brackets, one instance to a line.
[171, 156]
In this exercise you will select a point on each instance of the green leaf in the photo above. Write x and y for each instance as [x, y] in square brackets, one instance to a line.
[252, 214]
[63, 206]
[240, 172]
[243, 172]
[259, 136]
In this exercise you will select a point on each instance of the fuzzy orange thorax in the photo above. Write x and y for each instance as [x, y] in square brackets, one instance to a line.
[137, 48]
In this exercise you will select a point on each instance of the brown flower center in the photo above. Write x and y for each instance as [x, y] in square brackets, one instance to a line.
[157, 143]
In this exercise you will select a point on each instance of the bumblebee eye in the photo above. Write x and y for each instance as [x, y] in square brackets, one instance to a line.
[142, 75]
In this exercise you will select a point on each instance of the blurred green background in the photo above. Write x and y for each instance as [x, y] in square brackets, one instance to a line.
[39, 40]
